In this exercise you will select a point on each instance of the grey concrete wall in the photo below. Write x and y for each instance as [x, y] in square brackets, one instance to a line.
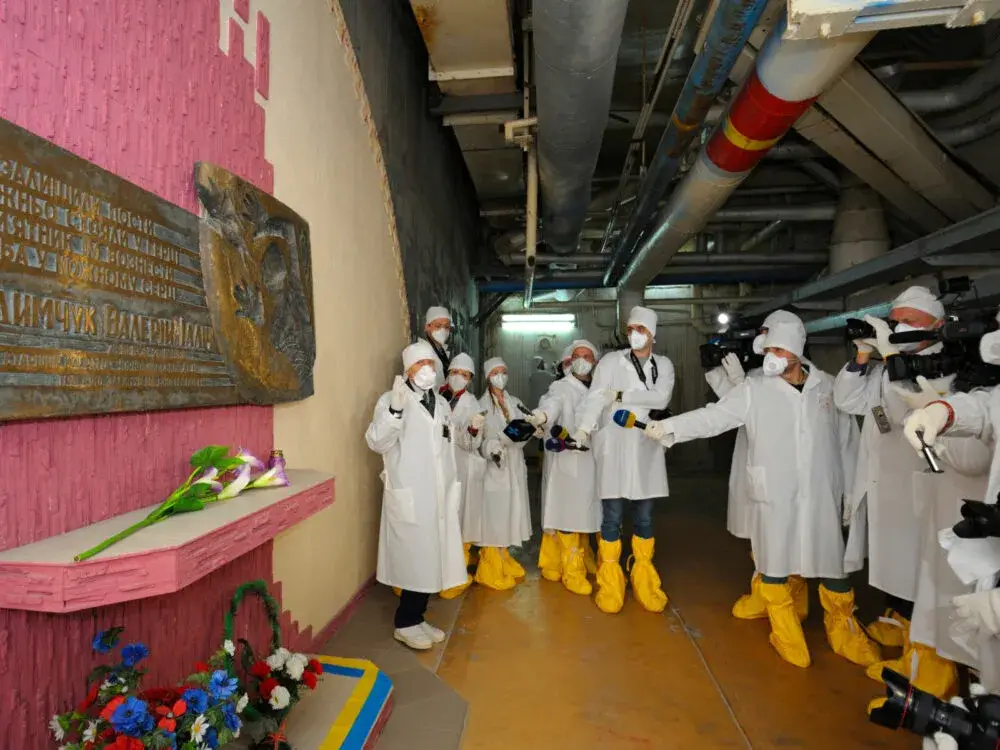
[433, 196]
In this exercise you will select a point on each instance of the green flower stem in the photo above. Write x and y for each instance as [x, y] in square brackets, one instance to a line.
[147, 521]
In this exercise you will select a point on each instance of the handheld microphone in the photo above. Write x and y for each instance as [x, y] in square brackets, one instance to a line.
[559, 432]
[560, 436]
[625, 418]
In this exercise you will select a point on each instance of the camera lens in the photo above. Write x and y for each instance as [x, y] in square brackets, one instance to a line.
[906, 707]
[858, 329]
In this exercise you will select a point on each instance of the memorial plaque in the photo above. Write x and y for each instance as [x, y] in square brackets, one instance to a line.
[102, 295]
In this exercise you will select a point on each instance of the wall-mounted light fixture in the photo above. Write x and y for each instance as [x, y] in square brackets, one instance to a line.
[539, 322]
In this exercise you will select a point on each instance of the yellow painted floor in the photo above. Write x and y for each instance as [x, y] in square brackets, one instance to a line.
[543, 668]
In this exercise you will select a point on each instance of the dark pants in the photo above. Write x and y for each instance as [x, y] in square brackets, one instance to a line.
[903, 607]
[411, 609]
[613, 510]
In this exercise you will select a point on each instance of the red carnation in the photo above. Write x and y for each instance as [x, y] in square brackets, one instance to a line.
[266, 686]
[200, 666]
[310, 679]
[260, 669]
[315, 666]
[126, 743]
[89, 700]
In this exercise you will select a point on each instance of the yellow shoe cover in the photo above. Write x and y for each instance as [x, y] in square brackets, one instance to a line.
[645, 580]
[511, 566]
[890, 630]
[800, 595]
[456, 591]
[490, 571]
[751, 606]
[843, 632]
[550, 557]
[931, 673]
[574, 575]
[610, 577]
[589, 561]
[787, 637]
[397, 591]
[900, 666]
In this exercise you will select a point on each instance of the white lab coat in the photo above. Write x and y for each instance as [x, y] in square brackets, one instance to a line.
[506, 517]
[470, 464]
[440, 372]
[569, 489]
[420, 537]
[739, 511]
[629, 465]
[798, 446]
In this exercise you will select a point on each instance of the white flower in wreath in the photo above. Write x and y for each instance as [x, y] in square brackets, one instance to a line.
[199, 728]
[90, 733]
[57, 729]
[280, 698]
[229, 647]
[241, 704]
[296, 665]
[277, 660]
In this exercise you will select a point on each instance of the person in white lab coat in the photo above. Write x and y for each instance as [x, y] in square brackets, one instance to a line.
[420, 535]
[571, 509]
[437, 329]
[722, 380]
[630, 469]
[505, 519]
[798, 444]
[467, 421]
[884, 489]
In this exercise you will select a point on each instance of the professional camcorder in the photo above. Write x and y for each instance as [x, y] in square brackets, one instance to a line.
[738, 341]
[979, 520]
[974, 728]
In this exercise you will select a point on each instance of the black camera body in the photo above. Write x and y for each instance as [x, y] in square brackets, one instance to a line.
[733, 341]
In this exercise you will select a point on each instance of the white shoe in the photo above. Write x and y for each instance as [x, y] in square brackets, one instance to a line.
[414, 636]
[435, 634]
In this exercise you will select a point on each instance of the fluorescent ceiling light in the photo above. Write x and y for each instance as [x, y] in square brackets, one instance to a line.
[539, 318]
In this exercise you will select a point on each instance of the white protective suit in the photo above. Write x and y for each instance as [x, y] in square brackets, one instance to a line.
[629, 465]
[439, 367]
[420, 537]
[506, 517]
[569, 487]
[470, 464]
[739, 511]
[798, 446]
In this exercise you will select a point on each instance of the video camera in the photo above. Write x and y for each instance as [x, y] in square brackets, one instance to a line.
[906, 707]
[979, 520]
[738, 341]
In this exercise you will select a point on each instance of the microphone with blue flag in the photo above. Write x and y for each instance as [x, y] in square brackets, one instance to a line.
[625, 418]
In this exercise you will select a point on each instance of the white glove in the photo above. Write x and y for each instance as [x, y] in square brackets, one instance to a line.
[539, 433]
[978, 612]
[580, 437]
[940, 741]
[655, 431]
[930, 420]
[477, 422]
[399, 394]
[882, 333]
[865, 346]
[608, 395]
[920, 398]
[537, 418]
[734, 369]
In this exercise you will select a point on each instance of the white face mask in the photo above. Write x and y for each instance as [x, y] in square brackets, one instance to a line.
[774, 365]
[910, 346]
[457, 382]
[989, 348]
[425, 378]
[638, 340]
[582, 366]
[758, 344]
[499, 381]
[441, 335]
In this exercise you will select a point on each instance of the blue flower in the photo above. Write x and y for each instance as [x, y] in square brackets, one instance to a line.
[104, 641]
[197, 700]
[221, 685]
[229, 717]
[171, 738]
[212, 738]
[132, 718]
[134, 653]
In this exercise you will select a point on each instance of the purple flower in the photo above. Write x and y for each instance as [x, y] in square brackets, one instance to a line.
[197, 700]
[221, 685]
[132, 718]
[134, 653]
[273, 477]
[209, 478]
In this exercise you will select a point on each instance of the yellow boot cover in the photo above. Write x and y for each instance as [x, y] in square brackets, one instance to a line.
[511, 566]
[397, 591]
[550, 557]
[786, 629]
[890, 629]
[645, 580]
[490, 571]
[574, 575]
[900, 665]
[454, 591]
[589, 561]
[843, 632]
[931, 673]
[800, 595]
[610, 577]
[751, 606]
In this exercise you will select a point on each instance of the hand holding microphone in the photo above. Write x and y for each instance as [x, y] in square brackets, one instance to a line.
[653, 430]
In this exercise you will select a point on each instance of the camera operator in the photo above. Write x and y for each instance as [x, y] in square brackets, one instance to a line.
[722, 380]
[904, 515]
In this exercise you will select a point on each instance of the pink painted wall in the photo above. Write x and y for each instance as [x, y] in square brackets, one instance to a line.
[141, 88]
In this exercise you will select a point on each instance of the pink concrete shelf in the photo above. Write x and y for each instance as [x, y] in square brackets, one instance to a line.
[162, 559]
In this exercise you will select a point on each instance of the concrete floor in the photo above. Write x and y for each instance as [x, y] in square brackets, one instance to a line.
[542, 668]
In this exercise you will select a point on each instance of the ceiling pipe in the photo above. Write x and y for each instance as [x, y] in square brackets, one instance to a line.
[788, 77]
[730, 28]
[759, 237]
[814, 212]
[957, 96]
[576, 49]
[660, 303]
[688, 259]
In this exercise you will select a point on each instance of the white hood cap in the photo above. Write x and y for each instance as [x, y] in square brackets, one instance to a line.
[462, 361]
[436, 313]
[920, 298]
[789, 335]
[645, 317]
[416, 352]
[780, 316]
[567, 353]
[586, 345]
[492, 363]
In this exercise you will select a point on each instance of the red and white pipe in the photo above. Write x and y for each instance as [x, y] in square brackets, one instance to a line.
[787, 79]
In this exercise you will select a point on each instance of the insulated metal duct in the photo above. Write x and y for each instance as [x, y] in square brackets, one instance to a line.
[859, 231]
[576, 49]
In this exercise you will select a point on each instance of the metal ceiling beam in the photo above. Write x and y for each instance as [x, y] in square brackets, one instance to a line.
[462, 105]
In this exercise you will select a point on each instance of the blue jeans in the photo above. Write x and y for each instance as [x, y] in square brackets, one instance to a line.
[613, 510]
